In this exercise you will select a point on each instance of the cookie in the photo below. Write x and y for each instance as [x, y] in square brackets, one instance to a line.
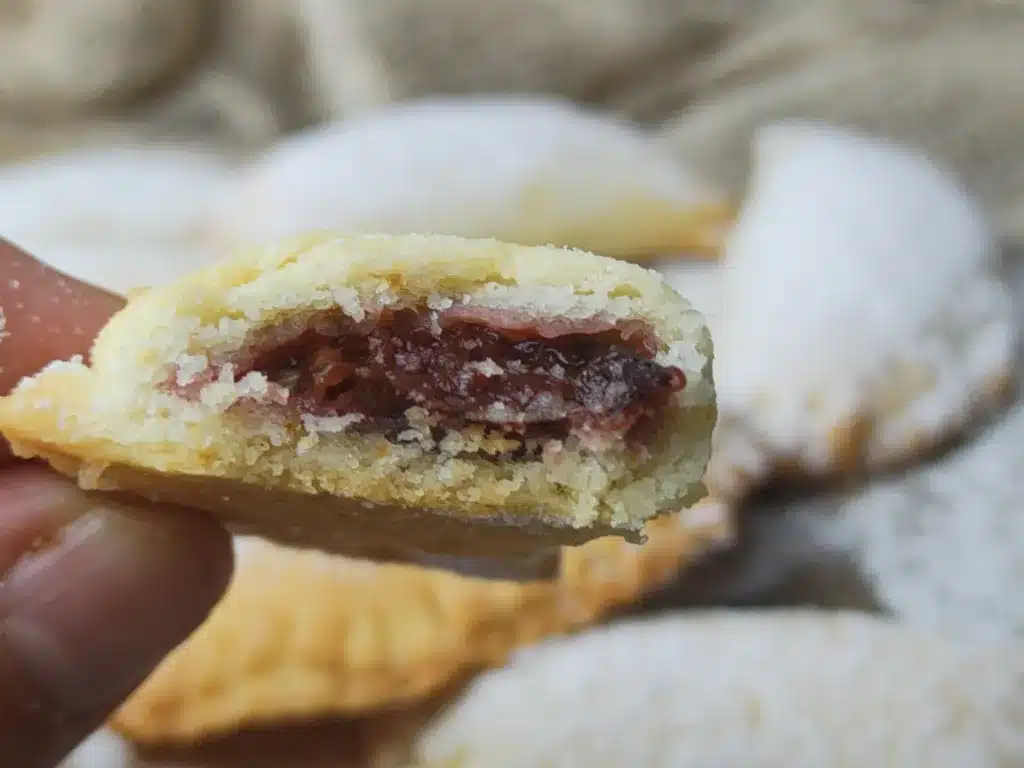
[943, 545]
[401, 398]
[864, 321]
[791, 689]
[301, 635]
[526, 170]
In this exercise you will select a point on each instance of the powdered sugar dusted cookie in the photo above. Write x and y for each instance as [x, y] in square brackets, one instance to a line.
[302, 635]
[118, 217]
[944, 545]
[393, 397]
[533, 171]
[862, 317]
[785, 689]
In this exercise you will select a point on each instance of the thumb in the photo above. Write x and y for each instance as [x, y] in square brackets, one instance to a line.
[93, 594]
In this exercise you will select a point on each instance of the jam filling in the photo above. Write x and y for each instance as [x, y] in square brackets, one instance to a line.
[520, 376]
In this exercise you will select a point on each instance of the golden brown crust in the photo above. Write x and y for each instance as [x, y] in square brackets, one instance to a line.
[301, 635]
[118, 426]
[696, 233]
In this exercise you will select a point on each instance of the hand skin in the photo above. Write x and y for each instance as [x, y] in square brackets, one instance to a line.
[93, 593]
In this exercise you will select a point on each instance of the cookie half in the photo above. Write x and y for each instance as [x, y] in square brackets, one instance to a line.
[399, 398]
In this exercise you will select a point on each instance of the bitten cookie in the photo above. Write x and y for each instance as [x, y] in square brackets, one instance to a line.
[400, 398]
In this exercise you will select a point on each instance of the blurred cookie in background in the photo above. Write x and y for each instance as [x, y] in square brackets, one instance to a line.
[784, 688]
[103, 749]
[524, 170]
[121, 217]
[943, 545]
[864, 319]
[301, 635]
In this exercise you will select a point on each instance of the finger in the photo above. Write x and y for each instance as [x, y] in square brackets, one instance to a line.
[47, 315]
[102, 594]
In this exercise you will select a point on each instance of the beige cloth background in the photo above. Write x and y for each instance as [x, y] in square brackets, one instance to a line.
[947, 75]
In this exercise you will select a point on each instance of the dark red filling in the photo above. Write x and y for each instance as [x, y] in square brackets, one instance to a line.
[521, 376]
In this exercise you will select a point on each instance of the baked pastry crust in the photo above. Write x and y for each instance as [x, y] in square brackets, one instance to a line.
[118, 423]
[301, 635]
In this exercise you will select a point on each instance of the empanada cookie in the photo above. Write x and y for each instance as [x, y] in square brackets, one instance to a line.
[399, 397]
[302, 635]
[525, 170]
[864, 318]
[771, 688]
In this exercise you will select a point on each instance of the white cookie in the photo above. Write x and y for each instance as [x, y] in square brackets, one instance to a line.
[531, 171]
[863, 319]
[788, 689]
[118, 217]
[103, 749]
[944, 545]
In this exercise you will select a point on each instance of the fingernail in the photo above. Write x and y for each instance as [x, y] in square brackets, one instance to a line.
[92, 612]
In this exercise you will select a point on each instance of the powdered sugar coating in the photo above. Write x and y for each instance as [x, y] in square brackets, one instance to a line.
[103, 749]
[786, 689]
[863, 318]
[527, 170]
[942, 544]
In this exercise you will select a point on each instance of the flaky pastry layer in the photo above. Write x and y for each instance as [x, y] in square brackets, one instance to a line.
[119, 422]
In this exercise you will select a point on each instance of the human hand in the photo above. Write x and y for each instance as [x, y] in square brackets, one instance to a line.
[93, 593]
